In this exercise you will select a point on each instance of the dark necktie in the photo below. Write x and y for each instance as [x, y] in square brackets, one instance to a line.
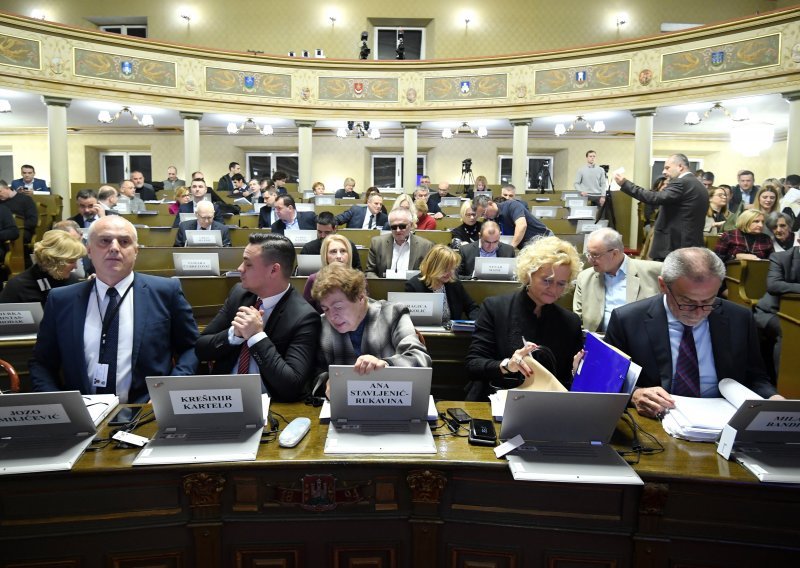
[244, 354]
[109, 341]
[687, 370]
[372, 221]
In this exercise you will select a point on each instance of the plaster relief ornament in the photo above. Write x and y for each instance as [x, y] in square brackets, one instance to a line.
[796, 53]
[645, 77]
[305, 93]
[411, 95]
[57, 65]
[190, 85]
[522, 91]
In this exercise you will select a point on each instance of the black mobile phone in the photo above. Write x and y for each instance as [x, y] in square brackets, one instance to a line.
[481, 433]
[125, 415]
[459, 415]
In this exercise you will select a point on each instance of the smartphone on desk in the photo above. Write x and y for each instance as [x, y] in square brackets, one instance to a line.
[481, 433]
[125, 415]
[459, 415]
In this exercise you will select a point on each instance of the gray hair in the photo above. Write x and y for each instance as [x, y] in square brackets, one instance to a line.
[681, 159]
[401, 211]
[480, 201]
[610, 238]
[694, 263]
[772, 220]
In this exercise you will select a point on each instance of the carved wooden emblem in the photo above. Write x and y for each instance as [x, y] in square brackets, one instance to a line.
[426, 485]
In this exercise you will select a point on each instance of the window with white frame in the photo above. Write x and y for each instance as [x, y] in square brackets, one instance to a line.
[264, 164]
[134, 30]
[539, 173]
[117, 166]
[387, 170]
[386, 41]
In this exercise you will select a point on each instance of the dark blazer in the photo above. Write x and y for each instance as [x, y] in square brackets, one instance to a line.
[80, 220]
[225, 183]
[180, 238]
[147, 192]
[285, 358]
[471, 251]
[354, 217]
[640, 329]
[501, 324]
[38, 184]
[467, 234]
[8, 229]
[783, 278]
[24, 206]
[189, 208]
[163, 329]
[24, 287]
[461, 305]
[380, 254]
[264, 217]
[315, 247]
[736, 196]
[306, 220]
[682, 213]
[341, 194]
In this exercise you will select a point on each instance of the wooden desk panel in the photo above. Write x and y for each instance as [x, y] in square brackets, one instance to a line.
[789, 368]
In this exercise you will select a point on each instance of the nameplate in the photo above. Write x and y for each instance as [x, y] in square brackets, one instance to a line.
[200, 238]
[122, 208]
[40, 415]
[299, 237]
[544, 212]
[210, 401]
[590, 227]
[575, 203]
[379, 393]
[499, 268]
[195, 264]
[775, 422]
[419, 308]
[16, 317]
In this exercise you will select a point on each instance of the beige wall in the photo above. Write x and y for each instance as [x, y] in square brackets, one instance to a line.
[507, 26]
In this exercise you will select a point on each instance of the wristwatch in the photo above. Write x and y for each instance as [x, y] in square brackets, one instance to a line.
[504, 365]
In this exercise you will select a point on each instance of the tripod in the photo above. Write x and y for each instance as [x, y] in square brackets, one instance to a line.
[542, 177]
[606, 210]
[466, 182]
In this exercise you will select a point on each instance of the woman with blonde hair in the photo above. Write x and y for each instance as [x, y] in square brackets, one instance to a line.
[767, 199]
[747, 241]
[182, 196]
[469, 230]
[717, 212]
[481, 184]
[511, 327]
[347, 190]
[404, 201]
[424, 221]
[335, 248]
[437, 274]
[55, 257]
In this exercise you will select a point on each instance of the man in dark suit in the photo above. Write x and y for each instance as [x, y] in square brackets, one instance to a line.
[225, 183]
[266, 216]
[399, 252]
[27, 184]
[89, 210]
[488, 245]
[198, 190]
[326, 225]
[146, 191]
[682, 207]
[369, 217]
[289, 218]
[204, 222]
[98, 341]
[265, 326]
[744, 191]
[435, 200]
[22, 205]
[689, 345]
[783, 278]
[8, 232]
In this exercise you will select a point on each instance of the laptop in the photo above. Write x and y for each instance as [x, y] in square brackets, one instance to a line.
[43, 431]
[20, 320]
[196, 263]
[200, 238]
[566, 437]
[304, 207]
[425, 308]
[488, 268]
[204, 418]
[301, 236]
[183, 217]
[768, 439]
[384, 412]
[450, 202]
[324, 200]
[308, 264]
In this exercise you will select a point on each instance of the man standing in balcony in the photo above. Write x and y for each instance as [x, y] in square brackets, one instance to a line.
[591, 180]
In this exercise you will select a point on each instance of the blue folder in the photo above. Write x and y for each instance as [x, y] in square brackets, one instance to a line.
[603, 368]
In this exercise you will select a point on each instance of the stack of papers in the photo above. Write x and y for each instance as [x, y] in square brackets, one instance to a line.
[702, 419]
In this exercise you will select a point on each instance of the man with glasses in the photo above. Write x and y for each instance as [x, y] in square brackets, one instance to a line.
[686, 339]
[199, 191]
[513, 217]
[398, 252]
[612, 280]
[488, 245]
[204, 222]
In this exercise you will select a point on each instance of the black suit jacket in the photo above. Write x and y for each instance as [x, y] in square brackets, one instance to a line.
[458, 300]
[147, 192]
[189, 208]
[306, 220]
[180, 238]
[341, 194]
[682, 215]
[501, 324]
[641, 330]
[8, 229]
[80, 220]
[354, 217]
[315, 247]
[783, 278]
[24, 206]
[225, 183]
[285, 358]
[471, 251]
[264, 218]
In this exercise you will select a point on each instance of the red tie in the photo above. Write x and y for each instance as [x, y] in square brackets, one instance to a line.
[244, 354]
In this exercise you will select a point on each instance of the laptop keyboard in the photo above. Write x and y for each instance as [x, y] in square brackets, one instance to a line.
[375, 428]
[204, 436]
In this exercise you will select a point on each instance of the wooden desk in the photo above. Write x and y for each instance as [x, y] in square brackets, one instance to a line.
[460, 507]
[789, 368]
[746, 281]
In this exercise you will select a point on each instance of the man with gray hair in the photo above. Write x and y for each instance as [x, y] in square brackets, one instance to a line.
[128, 199]
[682, 207]
[204, 222]
[398, 252]
[107, 198]
[686, 339]
[612, 280]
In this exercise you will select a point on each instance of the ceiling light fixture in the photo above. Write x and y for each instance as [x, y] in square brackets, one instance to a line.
[692, 118]
[105, 117]
[622, 19]
[359, 129]
[597, 127]
[465, 128]
[266, 130]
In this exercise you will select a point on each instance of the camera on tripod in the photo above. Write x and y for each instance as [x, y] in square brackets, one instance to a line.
[365, 50]
[466, 166]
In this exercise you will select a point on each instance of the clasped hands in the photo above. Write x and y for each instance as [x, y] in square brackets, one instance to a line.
[248, 321]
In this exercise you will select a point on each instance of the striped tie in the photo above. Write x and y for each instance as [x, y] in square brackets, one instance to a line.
[244, 354]
[687, 370]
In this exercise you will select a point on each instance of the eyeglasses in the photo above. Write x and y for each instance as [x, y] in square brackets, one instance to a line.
[550, 282]
[592, 257]
[470, 215]
[400, 227]
[694, 307]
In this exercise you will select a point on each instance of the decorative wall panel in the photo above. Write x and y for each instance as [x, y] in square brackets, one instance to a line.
[99, 65]
[762, 51]
[611, 75]
[248, 83]
[19, 52]
[469, 87]
[383, 90]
